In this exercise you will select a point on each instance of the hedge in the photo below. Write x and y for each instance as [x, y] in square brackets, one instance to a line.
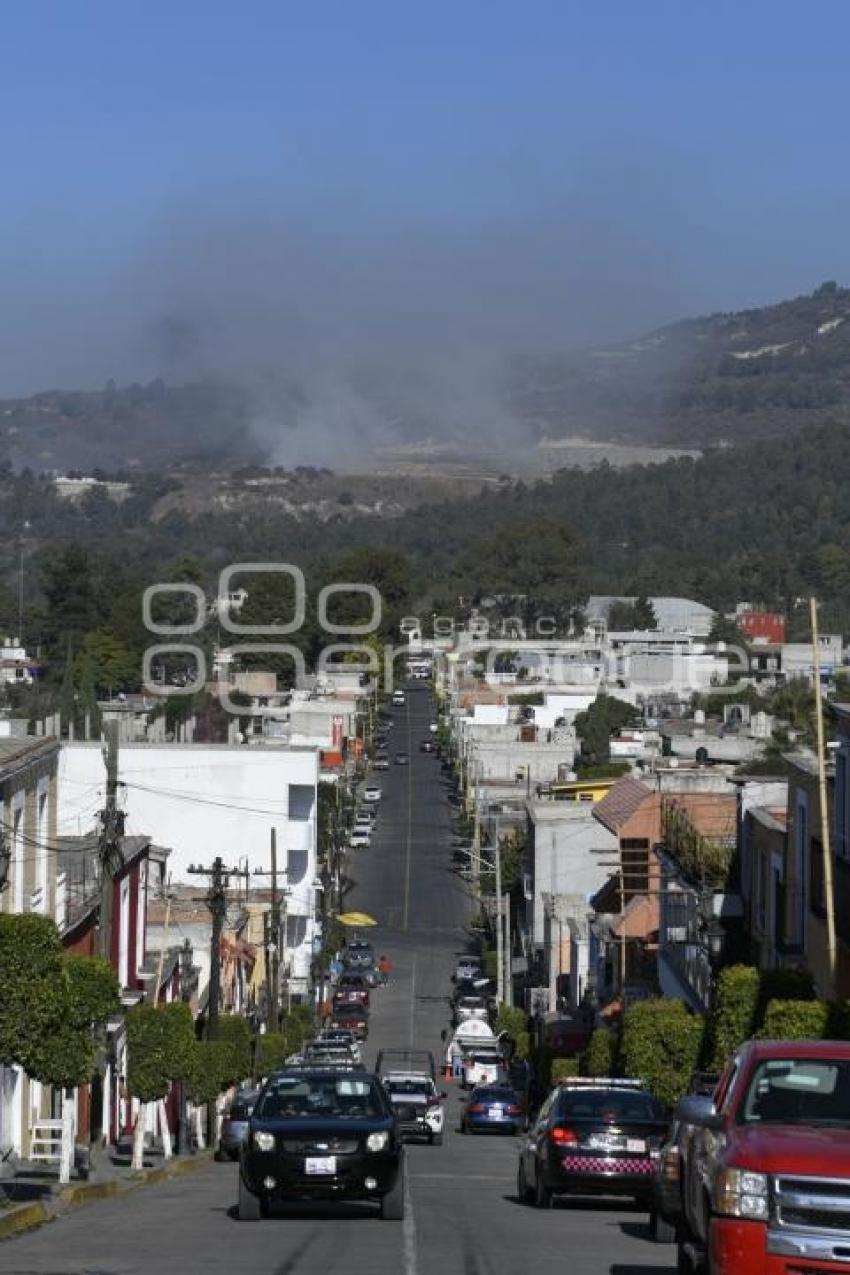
[796, 1020]
[601, 1055]
[742, 996]
[235, 1034]
[270, 1053]
[562, 1067]
[206, 1072]
[661, 1044]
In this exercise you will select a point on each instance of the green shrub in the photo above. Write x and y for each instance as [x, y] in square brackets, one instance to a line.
[522, 1046]
[661, 1046]
[270, 1053]
[733, 1019]
[562, 1067]
[206, 1071]
[235, 1034]
[511, 1019]
[795, 1020]
[783, 985]
[600, 1057]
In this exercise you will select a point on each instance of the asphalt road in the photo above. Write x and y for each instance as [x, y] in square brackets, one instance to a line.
[462, 1216]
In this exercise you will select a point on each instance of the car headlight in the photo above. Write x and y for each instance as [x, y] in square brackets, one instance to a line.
[263, 1141]
[377, 1141]
[740, 1193]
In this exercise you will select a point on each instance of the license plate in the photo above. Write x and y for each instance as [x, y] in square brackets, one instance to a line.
[603, 1142]
[495, 1113]
[635, 1144]
[316, 1166]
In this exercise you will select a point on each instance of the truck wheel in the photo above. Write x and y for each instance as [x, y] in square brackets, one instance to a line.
[662, 1231]
[392, 1204]
[249, 1206]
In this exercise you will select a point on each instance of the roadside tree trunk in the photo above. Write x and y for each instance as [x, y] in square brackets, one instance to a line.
[66, 1152]
[165, 1132]
[138, 1162]
[199, 1128]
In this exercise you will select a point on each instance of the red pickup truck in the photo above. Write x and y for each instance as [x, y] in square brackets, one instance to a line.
[765, 1164]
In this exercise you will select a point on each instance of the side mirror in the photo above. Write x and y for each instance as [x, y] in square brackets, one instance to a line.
[699, 1110]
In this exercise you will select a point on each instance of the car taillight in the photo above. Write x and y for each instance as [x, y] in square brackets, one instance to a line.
[514, 1110]
[563, 1137]
[477, 1108]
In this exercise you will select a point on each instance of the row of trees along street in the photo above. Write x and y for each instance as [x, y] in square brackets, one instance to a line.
[54, 1010]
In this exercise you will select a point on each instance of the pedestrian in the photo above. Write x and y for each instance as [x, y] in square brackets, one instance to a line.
[384, 968]
[456, 1055]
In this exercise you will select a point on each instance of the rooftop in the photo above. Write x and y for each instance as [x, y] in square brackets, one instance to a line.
[623, 800]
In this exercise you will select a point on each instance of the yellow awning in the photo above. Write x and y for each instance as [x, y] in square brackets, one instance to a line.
[356, 919]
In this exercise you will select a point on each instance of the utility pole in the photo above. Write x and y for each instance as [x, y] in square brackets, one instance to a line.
[109, 843]
[274, 941]
[508, 977]
[829, 896]
[219, 877]
[500, 960]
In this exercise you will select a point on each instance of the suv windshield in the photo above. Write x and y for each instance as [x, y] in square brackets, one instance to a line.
[809, 1091]
[408, 1086]
[608, 1105]
[335, 1097]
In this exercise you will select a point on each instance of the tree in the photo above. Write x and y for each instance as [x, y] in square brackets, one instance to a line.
[52, 1010]
[597, 724]
[160, 1041]
[645, 617]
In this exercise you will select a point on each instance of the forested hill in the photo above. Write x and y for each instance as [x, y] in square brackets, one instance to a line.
[764, 522]
[722, 378]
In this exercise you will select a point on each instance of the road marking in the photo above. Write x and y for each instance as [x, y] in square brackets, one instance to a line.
[409, 1230]
[413, 1001]
[406, 909]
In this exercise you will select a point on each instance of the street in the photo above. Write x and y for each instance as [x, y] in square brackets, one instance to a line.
[462, 1215]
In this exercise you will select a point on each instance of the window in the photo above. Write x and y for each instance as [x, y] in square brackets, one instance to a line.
[808, 1091]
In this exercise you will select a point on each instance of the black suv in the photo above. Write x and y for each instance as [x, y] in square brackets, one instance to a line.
[592, 1137]
[321, 1134]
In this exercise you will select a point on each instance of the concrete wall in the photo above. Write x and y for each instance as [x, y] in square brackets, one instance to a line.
[566, 842]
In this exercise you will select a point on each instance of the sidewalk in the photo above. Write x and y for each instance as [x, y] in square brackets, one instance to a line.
[32, 1194]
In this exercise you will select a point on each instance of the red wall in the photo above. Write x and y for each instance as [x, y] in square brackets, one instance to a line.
[767, 625]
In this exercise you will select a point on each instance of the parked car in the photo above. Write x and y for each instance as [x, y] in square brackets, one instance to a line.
[592, 1137]
[468, 1007]
[417, 1103]
[234, 1126]
[340, 1036]
[359, 837]
[666, 1204]
[482, 1065]
[398, 699]
[493, 1109]
[353, 1017]
[468, 967]
[322, 1135]
[381, 762]
[402, 759]
[352, 988]
[372, 793]
[765, 1162]
[358, 955]
[426, 746]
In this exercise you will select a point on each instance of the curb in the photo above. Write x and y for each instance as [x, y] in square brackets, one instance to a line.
[22, 1217]
[26, 1217]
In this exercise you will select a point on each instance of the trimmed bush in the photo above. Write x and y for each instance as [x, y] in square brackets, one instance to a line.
[600, 1058]
[562, 1067]
[661, 1046]
[795, 1020]
[206, 1071]
[235, 1034]
[733, 1021]
[270, 1053]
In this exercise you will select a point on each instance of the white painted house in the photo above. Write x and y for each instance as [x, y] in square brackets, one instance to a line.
[205, 800]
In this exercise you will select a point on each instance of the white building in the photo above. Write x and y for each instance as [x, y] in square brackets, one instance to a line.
[206, 800]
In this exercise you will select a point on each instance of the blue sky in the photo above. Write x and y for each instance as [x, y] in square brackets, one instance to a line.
[344, 172]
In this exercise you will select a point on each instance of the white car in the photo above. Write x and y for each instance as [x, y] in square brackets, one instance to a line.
[434, 727]
[360, 836]
[471, 1007]
[482, 1066]
[467, 969]
[417, 1103]
[398, 699]
[372, 793]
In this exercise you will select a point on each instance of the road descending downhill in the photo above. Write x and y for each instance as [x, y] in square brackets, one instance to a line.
[462, 1216]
